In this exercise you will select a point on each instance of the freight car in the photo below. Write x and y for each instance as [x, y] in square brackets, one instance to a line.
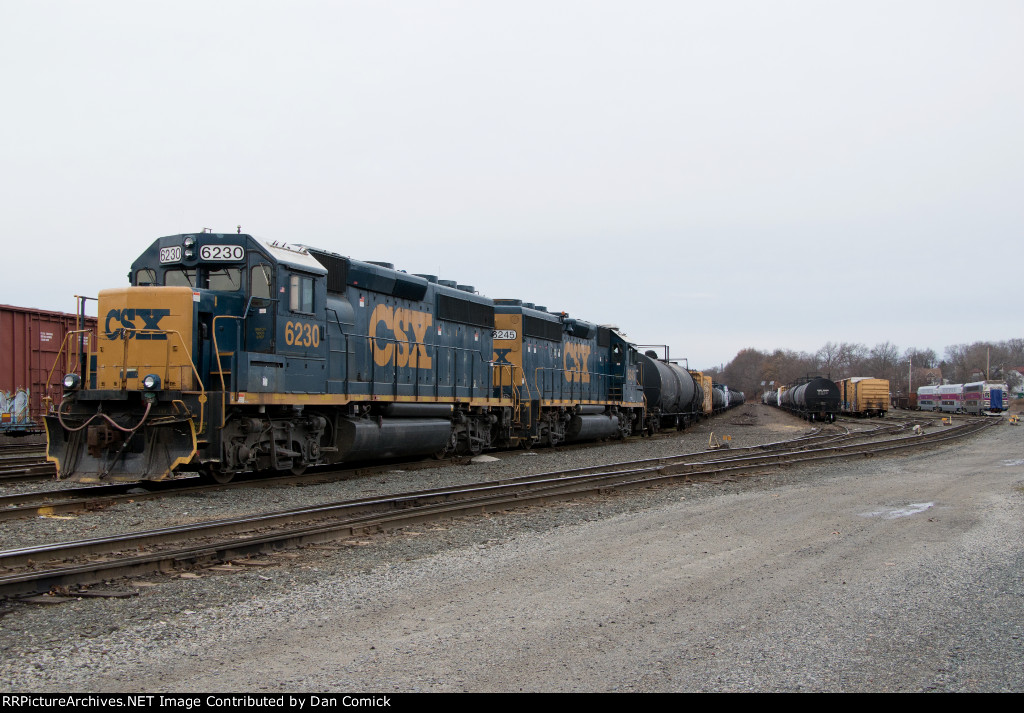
[30, 340]
[907, 403]
[863, 396]
[706, 384]
[813, 398]
[773, 397]
[674, 397]
[733, 398]
[718, 403]
[228, 353]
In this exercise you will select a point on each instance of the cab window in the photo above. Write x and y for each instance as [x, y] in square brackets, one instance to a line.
[145, 277]
[224, 279]
[300, 294]
[184, 277]
[261, 283]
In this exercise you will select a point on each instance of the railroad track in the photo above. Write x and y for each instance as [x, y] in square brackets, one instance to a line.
[21, 448]
[24, 463]
[97, 497]
[32, 570]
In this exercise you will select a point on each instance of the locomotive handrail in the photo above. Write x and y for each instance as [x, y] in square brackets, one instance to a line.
[596, 377]
[526, 384]
[513, 391]
[248, 304]
[413, 364]
[345, 351]
[130, 331]
[46, 397]
[640, 382]
[216, 351]
[502, 369]
[220, 367]
[414, 348]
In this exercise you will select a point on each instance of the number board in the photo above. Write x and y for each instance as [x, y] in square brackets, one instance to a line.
[222, 253]
[170, 254]
[503, 334]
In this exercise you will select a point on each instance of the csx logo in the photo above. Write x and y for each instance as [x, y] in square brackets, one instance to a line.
[391, 344]
[574, 360]
[501, 357]
[124, 323]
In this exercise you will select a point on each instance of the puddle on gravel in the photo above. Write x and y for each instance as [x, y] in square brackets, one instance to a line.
[892, 514]
[1012, 463]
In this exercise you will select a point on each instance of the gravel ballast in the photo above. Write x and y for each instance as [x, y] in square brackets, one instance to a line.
[897, 573]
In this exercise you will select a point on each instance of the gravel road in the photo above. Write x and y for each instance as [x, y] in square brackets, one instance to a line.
[885, 574]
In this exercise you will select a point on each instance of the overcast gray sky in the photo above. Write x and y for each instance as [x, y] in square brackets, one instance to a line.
[713, 175]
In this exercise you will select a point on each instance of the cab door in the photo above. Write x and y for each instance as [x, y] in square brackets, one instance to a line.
[300, 337]
[260, 321]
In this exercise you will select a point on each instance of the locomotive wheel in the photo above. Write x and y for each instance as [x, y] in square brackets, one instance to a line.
[212, 472]
[297, 469]
[450, 447]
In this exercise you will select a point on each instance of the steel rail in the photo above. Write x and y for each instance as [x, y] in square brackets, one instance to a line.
[35, 471]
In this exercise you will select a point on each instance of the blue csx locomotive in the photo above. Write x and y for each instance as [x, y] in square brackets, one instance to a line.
[228, 353]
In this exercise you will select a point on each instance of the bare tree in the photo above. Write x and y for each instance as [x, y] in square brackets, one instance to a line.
[852, 358]
[966, 362]
[840, 360]
[829, 357]
[921, 358]
[743, 373]
[883, 360]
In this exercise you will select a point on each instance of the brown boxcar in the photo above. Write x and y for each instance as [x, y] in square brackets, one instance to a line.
[30, 340]
[864, 396]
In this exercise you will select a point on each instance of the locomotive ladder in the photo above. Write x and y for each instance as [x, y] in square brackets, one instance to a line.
[223, 369]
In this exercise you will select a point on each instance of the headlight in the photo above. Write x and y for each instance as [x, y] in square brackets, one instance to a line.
[72, 381]
[151, 382]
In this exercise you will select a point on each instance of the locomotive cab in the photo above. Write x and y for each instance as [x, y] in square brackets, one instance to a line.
[174, 345]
